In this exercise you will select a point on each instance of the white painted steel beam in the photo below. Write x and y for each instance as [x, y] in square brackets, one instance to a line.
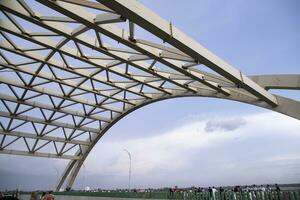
[43, 121]
[41, 105]
[163, 29]
[38, 154]
[43, 137]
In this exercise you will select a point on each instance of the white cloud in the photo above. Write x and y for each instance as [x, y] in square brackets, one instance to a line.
[283, 158]
[224, 124]
[174, 153]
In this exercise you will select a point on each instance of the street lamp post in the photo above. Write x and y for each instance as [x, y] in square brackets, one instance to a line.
[57, 171]
[129, 178]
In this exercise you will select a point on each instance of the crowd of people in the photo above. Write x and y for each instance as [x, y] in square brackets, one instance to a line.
[219, 193]
[253, 192]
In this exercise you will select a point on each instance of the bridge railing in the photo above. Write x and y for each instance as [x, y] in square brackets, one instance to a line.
[229, 195]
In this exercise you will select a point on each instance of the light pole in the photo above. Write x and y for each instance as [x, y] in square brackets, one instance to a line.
[129, 178]
[84, 186]
[57, 171]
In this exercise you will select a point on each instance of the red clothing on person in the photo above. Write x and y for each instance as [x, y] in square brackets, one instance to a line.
[49, 197]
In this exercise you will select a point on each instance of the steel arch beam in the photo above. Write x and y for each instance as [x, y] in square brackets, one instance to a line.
[136, 12]
[286, 106]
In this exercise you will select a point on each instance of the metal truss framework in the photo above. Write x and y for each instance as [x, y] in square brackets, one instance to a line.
[70, 73]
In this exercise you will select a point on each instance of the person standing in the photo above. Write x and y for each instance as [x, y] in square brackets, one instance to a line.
[221, 193]
[49, 196]
[42, 196]
[33, 196]
[268, 189]
[210, 193]
[214, 190]
[254, 192]
[171, 193]
[52, 197]
[262, 190]
[277, 189]
[234, 192]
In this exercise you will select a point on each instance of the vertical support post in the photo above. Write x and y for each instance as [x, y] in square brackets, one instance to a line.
[65, 175]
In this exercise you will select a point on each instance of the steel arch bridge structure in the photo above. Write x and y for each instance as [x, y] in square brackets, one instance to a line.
[71, 69]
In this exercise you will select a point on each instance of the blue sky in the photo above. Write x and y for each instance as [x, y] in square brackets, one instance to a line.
[251, 36]
[199, 141]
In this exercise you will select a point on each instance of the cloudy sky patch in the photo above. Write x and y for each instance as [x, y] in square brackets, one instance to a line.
[224, 124]
[192, 155]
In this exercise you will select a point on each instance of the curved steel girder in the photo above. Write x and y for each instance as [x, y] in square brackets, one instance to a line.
[285, 106]
[144, 17]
